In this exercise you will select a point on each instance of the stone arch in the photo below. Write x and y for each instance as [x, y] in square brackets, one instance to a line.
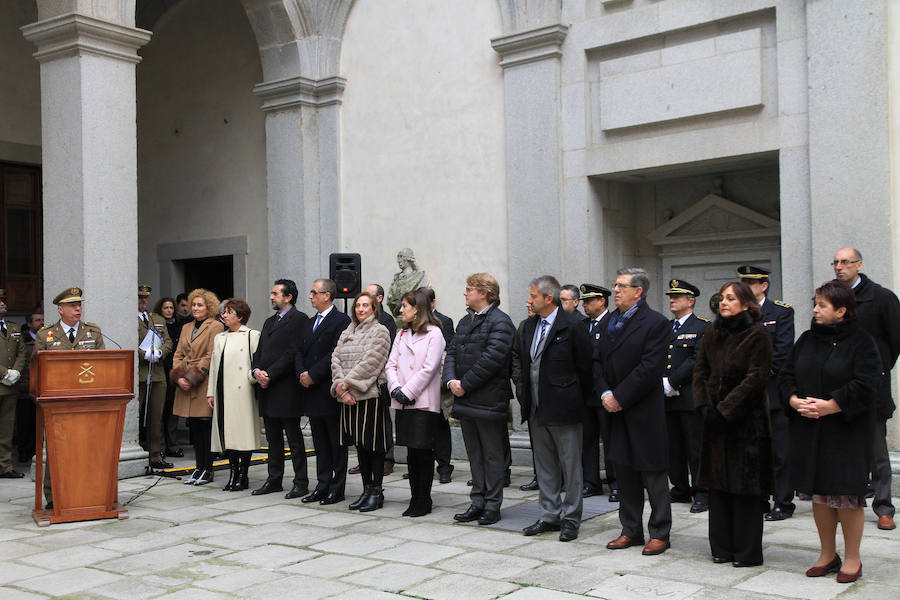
[525, 15]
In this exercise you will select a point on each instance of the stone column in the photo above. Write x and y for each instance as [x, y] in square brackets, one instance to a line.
[534, 190]
[90, 177]
[303, 176]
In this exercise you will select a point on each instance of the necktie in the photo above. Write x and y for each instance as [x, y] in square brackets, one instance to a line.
[537, 348]
[146, 322]
[3, 328]
[318, 320]
[71, 335]
[594, 324]
[676, 326]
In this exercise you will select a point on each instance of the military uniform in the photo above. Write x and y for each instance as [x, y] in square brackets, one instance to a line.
[684, 425]
[54, 338]
[778, 319]
[25, 409]
[151, 428]
[12, 358]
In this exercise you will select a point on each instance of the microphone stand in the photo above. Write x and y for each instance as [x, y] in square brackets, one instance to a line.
[149, 470]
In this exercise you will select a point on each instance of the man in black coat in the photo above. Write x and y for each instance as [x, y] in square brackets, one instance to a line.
[443, 445]
[312, 363]
[595, 299]
[778, 319]
[476, 371]
[878, 311]
[555, 381]
[629, 364]
[278, 391]
[683, 422]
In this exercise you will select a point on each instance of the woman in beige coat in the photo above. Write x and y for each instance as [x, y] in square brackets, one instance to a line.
[235, 413]
[357, 369]
[190, 372]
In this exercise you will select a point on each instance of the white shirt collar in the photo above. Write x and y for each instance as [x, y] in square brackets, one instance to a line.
[326, 311]
[603, 314]
[684, 318]
[67, 328]
[763, 301]
[857, 282]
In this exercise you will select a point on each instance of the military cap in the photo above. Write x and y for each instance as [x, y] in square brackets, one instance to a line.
[589, 290]
[73, 294]
[144, 289]
[680, 286]
[3, 293]
[751, 272]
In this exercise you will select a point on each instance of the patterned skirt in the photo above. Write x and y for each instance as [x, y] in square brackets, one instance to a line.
[835, 501]
[367, 424]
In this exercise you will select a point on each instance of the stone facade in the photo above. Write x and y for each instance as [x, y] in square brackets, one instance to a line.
[518, 137]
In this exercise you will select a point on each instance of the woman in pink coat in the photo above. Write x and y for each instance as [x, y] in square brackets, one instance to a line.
[414, 378]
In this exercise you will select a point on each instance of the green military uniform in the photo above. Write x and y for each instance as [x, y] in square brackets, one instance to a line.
[157, 396]
[23, 438]
[12, 356]
[54, 338]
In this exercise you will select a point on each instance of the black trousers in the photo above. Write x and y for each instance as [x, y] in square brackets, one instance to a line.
[443, 447]
[331, 457]
[632, 484]
[684, 428]
[201, 434]
[781, 442]
[881, 470]
[487, 446]
[736, 526]
[590, 454]
[275, 438]
[25, 427]
[371, 466]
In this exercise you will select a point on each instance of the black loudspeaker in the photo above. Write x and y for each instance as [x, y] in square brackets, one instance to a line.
[346, 272]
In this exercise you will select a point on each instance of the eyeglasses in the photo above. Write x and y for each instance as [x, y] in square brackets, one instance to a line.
[623, 285]
[843, 262]
[314, 292]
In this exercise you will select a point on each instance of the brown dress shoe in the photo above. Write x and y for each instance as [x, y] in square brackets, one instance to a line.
[655, 546]
[388, 469]
[353, 470]
[623, 542]
[886, 522]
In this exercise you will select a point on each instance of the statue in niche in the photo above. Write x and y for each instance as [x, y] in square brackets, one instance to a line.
[409, 278]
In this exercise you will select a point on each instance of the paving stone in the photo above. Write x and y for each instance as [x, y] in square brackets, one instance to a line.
[280, 513]
[13, 594]
[70, 581]
[237, 580]
[10, 572]
[488, 539]
[161, 560]
[331, 566]
[488, 564]
[564, 578]
[193, 593]
[357, 544]
[7, 535]
[165, 503]
[699, 571]
[374, 526]
[69, 558]
[129, 589]
[270, 556]
[637, 587]
[12, 550]
[418, 553]
[296, 586]
[361, 594]
[286, 534]
[454, 586]
[144, 541]
[164, 581]
[426, 532]
[181, 515]
[628, 560]
[248, 502]
[330, 519]
[792, 585]
[536, 593]
[392, 577]
[548, 547]
[130, 527]
[74, 537]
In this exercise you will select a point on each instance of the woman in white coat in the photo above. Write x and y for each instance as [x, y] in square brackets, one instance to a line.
[414, 378]
[231, 394]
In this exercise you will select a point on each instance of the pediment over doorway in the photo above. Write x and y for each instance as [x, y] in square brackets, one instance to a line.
[715, 218]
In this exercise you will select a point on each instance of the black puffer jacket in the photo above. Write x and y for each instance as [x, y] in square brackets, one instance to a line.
[479, 356]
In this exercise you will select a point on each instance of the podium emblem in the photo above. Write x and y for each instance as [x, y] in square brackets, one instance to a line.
[86, 375]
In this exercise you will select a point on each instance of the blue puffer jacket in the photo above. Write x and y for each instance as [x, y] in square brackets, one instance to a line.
[479, 356]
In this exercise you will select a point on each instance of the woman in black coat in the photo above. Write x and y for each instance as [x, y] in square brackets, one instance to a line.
[729, 388]
[831, 380]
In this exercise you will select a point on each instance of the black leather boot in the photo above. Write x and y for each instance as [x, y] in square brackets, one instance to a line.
[242, 481]
[361, 500]
[233, 472]
[374, 500]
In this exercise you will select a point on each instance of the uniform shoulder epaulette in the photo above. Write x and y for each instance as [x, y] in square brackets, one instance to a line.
[704, 319]
[45, 328]
[781, 303]
[91, 325]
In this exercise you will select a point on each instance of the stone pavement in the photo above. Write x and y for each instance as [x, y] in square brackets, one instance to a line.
[201, 543]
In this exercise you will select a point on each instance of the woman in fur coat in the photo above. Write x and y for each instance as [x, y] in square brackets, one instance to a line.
[357, 370]
[729, 388]
[190, 372]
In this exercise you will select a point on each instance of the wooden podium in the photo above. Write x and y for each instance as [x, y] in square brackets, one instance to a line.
[81, 399]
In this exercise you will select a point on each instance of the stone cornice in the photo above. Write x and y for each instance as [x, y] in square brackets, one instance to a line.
[75, 34]
[300, 91]
[530, 46]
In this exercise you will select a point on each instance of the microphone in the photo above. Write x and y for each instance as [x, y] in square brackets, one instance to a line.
[106, 337]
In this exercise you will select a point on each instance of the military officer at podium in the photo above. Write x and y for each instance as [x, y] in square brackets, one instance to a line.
[69, 333]
[12, 361]
[152, 400]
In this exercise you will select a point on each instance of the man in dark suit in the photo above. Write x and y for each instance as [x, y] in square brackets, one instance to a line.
[313, 367]
[556, 379]
[878, 312]
[443, 446]
[595, 299]
[629, 363]
[778, 318]
[682, 420]
[279, 392]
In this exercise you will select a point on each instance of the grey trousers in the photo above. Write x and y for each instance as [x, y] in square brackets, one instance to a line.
[557, 462]
[881, 470]
[485, 449]
[631, 502]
